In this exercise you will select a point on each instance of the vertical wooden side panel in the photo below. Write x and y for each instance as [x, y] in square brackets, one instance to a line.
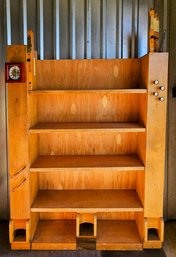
[139, 217]
[31, 61]
[155, 138]
[32, 118]
[18, 140]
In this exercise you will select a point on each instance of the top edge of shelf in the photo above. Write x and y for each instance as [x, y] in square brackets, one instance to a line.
[87, 126]
[58, 91]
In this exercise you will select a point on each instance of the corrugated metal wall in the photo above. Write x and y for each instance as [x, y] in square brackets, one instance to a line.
[80, 29]
[65, 29]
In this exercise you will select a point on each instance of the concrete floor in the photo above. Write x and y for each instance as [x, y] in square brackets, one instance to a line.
[170, 239]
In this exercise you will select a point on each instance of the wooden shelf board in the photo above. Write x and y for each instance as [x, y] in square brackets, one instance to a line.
[87, 201]
[118, 235]
[87, 126]
[55, 235]
[98, 91]
[45, 163]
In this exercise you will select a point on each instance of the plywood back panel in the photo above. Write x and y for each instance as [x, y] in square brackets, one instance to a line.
[88, 143]
[144, 70]
[87, 74]
[32, 106]
[88, 180]
[87, 107]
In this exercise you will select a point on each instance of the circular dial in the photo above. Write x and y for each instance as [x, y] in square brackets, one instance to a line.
[14, 72]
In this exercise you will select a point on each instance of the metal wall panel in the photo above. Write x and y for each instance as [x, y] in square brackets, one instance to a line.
[32, 19]
[111, 29]
[74, 29]
[16, 21]
[3, 146]
[96, 29]
[80, 29]
[48, 29]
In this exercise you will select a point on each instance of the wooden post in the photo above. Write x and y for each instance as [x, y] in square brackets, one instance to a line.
[18, 125]
[155, 138]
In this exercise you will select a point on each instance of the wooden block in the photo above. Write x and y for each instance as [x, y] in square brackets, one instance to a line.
[155, 226]
[86, 218]
[19, 234]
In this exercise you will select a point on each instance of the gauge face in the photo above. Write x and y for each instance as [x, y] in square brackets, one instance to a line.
[14, 72]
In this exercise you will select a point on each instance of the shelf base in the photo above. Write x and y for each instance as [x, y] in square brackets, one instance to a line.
[111, 235]
[152, 245]
[118, 235]
[55, 235]
[20, 246]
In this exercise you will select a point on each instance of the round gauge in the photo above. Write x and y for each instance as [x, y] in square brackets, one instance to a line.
[14, 72]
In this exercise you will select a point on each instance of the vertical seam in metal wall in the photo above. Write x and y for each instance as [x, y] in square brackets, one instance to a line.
[88, 30]
[119, 25]
[8, 22]
[41, 22]
[24, 22]
[104, 29]
[122, 30]
[134, 28]
[137, 30]
[72, 29]
[57, 29]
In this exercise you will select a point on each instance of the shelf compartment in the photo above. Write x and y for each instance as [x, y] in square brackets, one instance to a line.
[86, 126]
[89, 201]
[85, 91]
[111, 235]
[118, 235]
[45, 163]
[87, 107]
[55, 235]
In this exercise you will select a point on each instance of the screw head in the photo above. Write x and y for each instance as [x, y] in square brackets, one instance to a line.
[156, 82]
[162, 88]
[156, 94]
[161, 99]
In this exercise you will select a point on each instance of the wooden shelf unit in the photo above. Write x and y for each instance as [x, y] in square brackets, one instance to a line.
[85, 147]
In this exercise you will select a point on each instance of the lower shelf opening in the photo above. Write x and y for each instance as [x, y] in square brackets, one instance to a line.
[20, 235]
[111, 235]
[86, 229]
[153, 234]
